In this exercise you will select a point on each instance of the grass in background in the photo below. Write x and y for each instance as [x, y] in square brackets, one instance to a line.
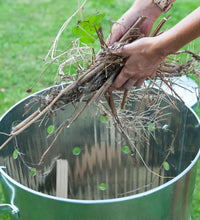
[196, 197]
[27, 30]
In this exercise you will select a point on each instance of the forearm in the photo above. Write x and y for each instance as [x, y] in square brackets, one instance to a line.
[139, 8]
[146, 8]
[144, 56]
[181, 34]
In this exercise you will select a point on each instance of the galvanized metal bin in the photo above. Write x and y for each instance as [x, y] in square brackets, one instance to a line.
[104, 182]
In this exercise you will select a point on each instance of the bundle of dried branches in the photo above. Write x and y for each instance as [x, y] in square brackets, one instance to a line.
[95, 79]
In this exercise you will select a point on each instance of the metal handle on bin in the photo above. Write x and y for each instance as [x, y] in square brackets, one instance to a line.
[8, 208]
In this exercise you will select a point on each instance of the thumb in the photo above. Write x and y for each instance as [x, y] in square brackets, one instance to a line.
[112, 38]
[123, 50]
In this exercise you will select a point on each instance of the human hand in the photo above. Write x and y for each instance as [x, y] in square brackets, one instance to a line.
[143, 59]
[144, 56]
[140, 8]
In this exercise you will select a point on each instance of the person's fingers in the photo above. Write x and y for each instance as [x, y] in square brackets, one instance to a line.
[124, 51]
[112, 38]
[153, 74]
[121, 26]
[139, 82]
[116, 33]
[122, 77]
[129, 84]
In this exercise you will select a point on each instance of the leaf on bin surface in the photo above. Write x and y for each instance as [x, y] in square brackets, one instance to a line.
[102, 186]
[33, 171]
[151, 126]
[15, 154]
[166, 166]
[50, 129]
[126, 149]
[104, 118]
[85, 30]
[76, 151]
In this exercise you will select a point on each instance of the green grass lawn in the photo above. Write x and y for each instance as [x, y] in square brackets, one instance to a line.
[27, 30]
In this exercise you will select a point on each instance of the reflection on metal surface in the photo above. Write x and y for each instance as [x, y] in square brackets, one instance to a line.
[100, 167]
[9, 208]
[184, 86]
[100, 157]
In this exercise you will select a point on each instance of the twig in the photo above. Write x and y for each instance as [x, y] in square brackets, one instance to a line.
[197, 57]
[124, 99]
[100, 36]
[103, 89]
[167, 95]
[160, 25]
[52, 143]
[77, 115]
[137, 24]
[119, 127]
[7, 141]
[171, 88]
[53, 48]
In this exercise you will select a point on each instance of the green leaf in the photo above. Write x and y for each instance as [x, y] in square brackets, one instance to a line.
[76, 151]
[166, 166]
[102, 186]
[15, 154]
[96, 19]
[85, 30]
[33, 172]
[50, 129]
[126, 149]
[151, 127]
[104, 118]
[84, 37]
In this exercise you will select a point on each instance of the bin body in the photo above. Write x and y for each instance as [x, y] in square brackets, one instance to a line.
[130, 190]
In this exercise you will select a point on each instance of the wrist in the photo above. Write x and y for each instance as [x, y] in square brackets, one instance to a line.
[164, 5]
[165, 44]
